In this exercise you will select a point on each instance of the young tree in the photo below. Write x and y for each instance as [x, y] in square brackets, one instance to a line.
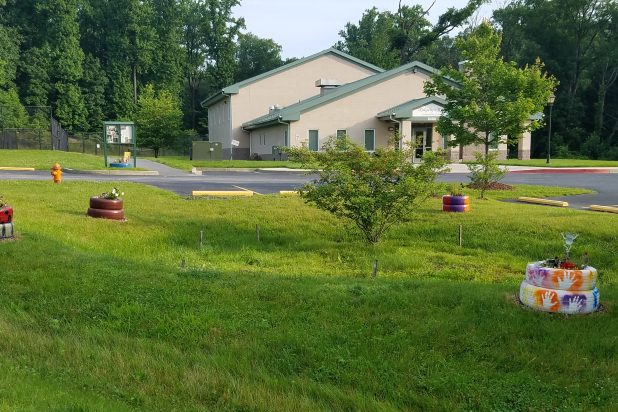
[158, 119]
[375, 191]
[494, 99]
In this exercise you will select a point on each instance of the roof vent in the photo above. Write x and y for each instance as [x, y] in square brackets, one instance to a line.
[327, 85]
[274, 108]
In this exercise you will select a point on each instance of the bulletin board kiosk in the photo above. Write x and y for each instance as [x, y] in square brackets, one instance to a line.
[119, 140]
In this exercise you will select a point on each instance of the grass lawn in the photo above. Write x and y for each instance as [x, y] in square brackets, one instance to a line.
[183, 163]
[560, 163]
[101, 315]
[44, 159]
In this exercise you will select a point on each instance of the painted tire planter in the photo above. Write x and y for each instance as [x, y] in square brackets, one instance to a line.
[118, 165]
[561, 279]
[6, 214]
[7, 230]
[558, 301]
[107, 204]
[106, 208]
[452, 203]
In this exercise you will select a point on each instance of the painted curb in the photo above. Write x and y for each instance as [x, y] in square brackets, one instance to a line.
[288, 192]
[222, 193]
[546, 202]
[17, 169]
[600, 208]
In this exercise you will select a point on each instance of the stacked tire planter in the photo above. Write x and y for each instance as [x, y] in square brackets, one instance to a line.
[452, 203]
[6, 222]
[560, 290]
[106, 208]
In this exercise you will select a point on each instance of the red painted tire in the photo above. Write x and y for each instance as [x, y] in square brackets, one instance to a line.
[107, 204]
[6, 214]
[106, 214]
[455, 200]
[456, 208]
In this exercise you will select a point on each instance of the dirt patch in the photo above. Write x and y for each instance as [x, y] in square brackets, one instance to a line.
[491, 186]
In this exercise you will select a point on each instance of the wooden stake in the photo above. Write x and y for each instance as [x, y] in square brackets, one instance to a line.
[375, 269]
[257, 232]
[460, 235]
[201, 239]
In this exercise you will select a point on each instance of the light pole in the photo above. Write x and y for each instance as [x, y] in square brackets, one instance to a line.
[550, 102]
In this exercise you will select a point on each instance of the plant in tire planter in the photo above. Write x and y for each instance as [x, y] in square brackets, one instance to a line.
[560, 285]
[457, 201]
[108, 205]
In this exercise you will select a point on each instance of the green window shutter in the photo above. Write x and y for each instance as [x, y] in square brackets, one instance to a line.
[370, 140]
[313, 141]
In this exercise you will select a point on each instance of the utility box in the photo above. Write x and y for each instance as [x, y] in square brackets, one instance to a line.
[207, 151]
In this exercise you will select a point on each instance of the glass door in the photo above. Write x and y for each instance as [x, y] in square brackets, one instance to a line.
[419, 141]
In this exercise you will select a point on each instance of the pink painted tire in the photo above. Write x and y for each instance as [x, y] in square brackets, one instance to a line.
[559, 301]
[107, 204]
[456, 208]
[561, 279]
[106, 214]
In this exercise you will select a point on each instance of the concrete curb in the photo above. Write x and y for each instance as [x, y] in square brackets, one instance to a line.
[566, 171]
[546, 202]
[200, 170]
[112, 172]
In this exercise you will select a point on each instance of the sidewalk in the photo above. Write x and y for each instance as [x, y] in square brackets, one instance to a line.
[162, 169]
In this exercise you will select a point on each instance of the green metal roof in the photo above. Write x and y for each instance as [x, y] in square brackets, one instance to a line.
[404, 110]
[292, 112]
[235, 88]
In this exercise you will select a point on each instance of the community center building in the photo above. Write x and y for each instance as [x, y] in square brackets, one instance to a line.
[331, 93]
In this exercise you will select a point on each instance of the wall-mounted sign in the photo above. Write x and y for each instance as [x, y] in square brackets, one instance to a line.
[430, 110]
[235, 143]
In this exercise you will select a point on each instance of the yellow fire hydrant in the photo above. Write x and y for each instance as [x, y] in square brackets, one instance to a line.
[56, 172]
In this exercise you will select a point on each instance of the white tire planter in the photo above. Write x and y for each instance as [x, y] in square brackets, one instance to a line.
[559, 301]
[561, 279]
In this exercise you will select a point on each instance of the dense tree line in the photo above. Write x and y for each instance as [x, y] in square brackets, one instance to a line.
[91, 60]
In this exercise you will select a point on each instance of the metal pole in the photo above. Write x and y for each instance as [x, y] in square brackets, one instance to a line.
[549, 136]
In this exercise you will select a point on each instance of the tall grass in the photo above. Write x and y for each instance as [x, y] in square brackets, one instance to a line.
[104, 315]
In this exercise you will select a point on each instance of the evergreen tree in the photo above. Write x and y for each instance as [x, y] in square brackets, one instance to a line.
[93, 85]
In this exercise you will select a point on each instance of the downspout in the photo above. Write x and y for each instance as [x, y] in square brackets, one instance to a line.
[392, 119]
[288, 125]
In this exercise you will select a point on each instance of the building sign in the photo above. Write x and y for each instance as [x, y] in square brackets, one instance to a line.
[431, 110]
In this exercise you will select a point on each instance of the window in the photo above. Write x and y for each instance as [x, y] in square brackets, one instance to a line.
[286, 142]
[341, 133]
[370, 140]
[493, 141]
[313, 140]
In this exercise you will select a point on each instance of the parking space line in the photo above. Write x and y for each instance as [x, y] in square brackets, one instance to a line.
[247, 190]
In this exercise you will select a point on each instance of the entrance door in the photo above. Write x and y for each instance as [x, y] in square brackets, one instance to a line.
[419, 140]
[422, 137]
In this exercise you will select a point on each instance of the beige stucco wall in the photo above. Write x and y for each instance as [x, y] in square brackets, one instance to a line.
[358, 111]
[288, 87]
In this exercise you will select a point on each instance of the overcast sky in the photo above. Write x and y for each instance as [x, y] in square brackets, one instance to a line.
[304, 27]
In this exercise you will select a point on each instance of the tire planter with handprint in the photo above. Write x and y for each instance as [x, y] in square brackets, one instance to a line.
[6, 230]
[106, 208]
[563, 279]
[451, 203]
[557, 300]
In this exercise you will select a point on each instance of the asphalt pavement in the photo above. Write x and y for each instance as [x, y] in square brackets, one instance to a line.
[268, 181]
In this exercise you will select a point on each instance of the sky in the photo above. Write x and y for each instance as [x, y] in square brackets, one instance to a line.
[305, 27]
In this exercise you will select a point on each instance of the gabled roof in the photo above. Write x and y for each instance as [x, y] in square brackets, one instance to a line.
[404, 110]
[292, 112]
[235, 88]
